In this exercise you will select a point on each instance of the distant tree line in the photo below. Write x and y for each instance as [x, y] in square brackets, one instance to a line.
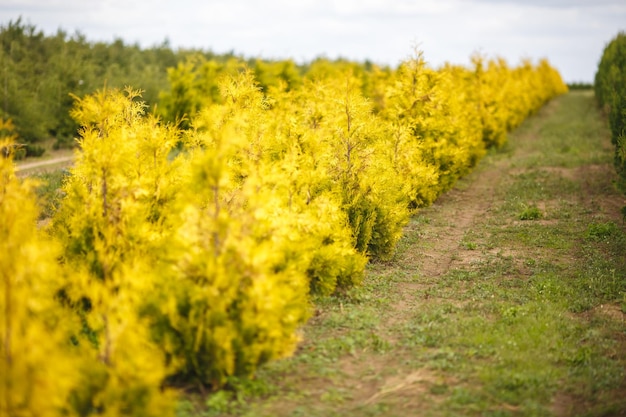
[580, 86]
[40, 73]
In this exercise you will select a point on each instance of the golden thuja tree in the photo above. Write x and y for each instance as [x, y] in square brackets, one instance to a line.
[351, 140]
[110, 226]
[463, 115]
[416, 131]
[551, 82]
[444, 124]
[193, 86]
[506, 95]
[282, 167]
[493, 97]
[238, 293]
[312, 226]
[37, 360]
[270, 75]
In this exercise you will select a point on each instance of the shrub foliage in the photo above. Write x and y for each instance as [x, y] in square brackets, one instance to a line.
[610, 89]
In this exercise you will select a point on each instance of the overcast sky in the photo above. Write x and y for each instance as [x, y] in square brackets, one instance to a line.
[571, 34]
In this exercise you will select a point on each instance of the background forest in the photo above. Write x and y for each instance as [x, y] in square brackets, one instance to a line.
[40, 74]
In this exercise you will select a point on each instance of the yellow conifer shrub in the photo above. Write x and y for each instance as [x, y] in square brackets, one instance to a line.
[109, 227]
[424, 131]
[237, 295]
[354, 162]
[282, 164]
[314, 228]
[37, 360]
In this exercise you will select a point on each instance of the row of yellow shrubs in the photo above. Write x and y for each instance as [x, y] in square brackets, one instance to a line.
[184, 254]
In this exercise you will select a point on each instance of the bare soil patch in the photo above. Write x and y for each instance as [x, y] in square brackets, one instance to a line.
[44, 165]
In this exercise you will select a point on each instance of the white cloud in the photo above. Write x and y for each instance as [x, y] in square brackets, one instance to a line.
[571, 33]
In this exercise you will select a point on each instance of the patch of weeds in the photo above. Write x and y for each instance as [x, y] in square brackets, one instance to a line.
[535, 235]
[531, 212]
[547, 286]
[334, 396]
[349, 317]
[469, 245]
[529, 185]
[445, 359]
[467, 401]
[470, 239]
[530, 262]
[601, 276]
[247, 387]
[427, 328]
[534, 185]
[420, 219]
[565, 211]
[379, 344]
[515, 386]
[460, 275]
[185, 408]
[595, 286]
[489, 269]
[439, 388]
[596, 371]
[48, 191]
[407, 241]
[593, 282]
[351, 343]
[482, 291]
[538, 184]
[370, 410]
[234, 398]
[602, 231]
[219, 402]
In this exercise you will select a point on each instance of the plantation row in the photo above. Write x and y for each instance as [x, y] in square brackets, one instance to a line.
[186, 254]
[610, 89]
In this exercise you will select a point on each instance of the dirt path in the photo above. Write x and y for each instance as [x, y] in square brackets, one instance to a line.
[457, 213]
[44, 165]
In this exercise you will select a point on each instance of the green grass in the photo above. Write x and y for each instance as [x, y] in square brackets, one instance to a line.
[48, 191]
[566, 137]
[527, 320]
